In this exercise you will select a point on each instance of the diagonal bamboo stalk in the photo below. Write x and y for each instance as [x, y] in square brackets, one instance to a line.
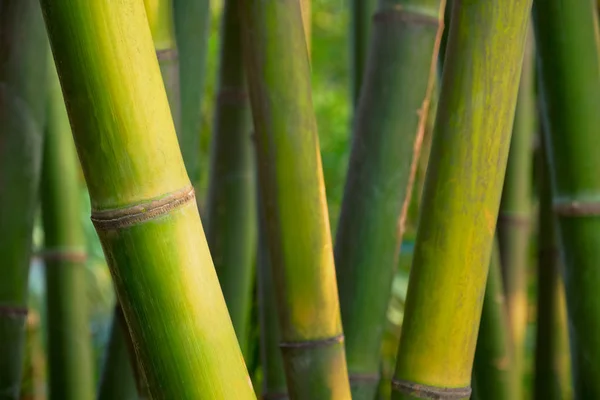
[143, 204]
[461, 198]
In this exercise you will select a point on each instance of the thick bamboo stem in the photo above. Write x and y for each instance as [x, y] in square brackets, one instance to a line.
[70, 361]
[568, 48]
[361, 16]
[461, 198]
[23, 56]
[143, 205]
[387, 137]
[291, 182]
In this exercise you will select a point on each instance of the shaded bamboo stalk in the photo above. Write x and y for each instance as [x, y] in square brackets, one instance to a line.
[361, 15]
[552, 367]
[23, 56]
[568, 49]
[34, 374]
[143, 205]
[461, 199]
[231, 205]
[192, 25]
[71, 374]
[494, 371]
[387, 136]
[292, 189]
[514, 218]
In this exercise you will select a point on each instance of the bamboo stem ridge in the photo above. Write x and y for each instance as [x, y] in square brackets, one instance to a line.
[143, 206]
[69, 342]
[361, 14]
[292, 189]
[23, 55]
[387, 137]
[461, 198]
[568, 49]
[231, 205]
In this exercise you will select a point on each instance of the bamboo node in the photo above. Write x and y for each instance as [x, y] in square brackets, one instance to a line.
[275, 396]
[357, 377]
[66, 254]
[430, 392]
[309, 344]
[407, 16]
[13, 311]
[169, 54]
[514, 219]
[123, 217]
[232, 95]
[577, 208]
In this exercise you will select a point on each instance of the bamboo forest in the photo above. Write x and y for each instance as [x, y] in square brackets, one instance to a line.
[299, 199]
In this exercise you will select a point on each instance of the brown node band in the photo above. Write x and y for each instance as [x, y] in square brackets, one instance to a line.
[576, 208]
[123, 217]
[68, 255]
[430, 392]
[167, 54]
[514, 219]
[374, 378]
[309, 344]
[275, 396]
[13, 311]
[232, 95]
[406, 16]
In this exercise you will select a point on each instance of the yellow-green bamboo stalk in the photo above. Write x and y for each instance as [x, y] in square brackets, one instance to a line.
[461, 198]
[143, 205]
[23, 56]
[292, 189]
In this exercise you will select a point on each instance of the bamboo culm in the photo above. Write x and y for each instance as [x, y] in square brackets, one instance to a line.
[461, 198]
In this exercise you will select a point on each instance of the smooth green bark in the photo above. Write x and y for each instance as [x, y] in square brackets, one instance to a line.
[23, 56]
[361, 16]
[461, 198]
[292, 187]
[387, 136]
[568, 49]
[143, 205]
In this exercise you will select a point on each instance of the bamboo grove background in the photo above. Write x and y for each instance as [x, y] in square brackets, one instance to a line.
[336, 149]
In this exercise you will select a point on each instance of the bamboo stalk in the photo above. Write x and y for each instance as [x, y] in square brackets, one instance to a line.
[143, 205]
[568, 49]
[192, 24]
[515, 213]
[69, 342]
[552, 369]
[361, 15]
[291, 182]
[461, 198]
[493, 366]
[387, 137]
[23, 51]
[231, 210]
[33, 386]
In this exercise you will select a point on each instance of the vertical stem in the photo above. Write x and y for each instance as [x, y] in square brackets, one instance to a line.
[292, 187]
[568, 48]
[361, 15]
[461, 198]
[34, 374]
[388, 132]
[143, 205]
[69, 342]
[23, 51]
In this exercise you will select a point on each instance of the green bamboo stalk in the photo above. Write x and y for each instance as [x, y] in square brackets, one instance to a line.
[552, 369]
[118, 380]
[33, 386]
[568, 49]
[361, 16]
[292, 187]
[515, 212]
[23, 51]
[494, 359]
[387, 137]
[143, 205]
[231, 208]
[69, 341]
[192, 23]
[461, 198]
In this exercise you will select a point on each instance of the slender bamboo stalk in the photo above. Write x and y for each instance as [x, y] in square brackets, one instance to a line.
[192, 23]
[23, 51]
[361, 15]
[231, 227]
[552, 369]
[143, 204]
[568, 49]
[34, 373]
[387, 137]
[494, 360]
[291, 182]
[118, 381]
[69, 342]
[461, 198]
[515, 213]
